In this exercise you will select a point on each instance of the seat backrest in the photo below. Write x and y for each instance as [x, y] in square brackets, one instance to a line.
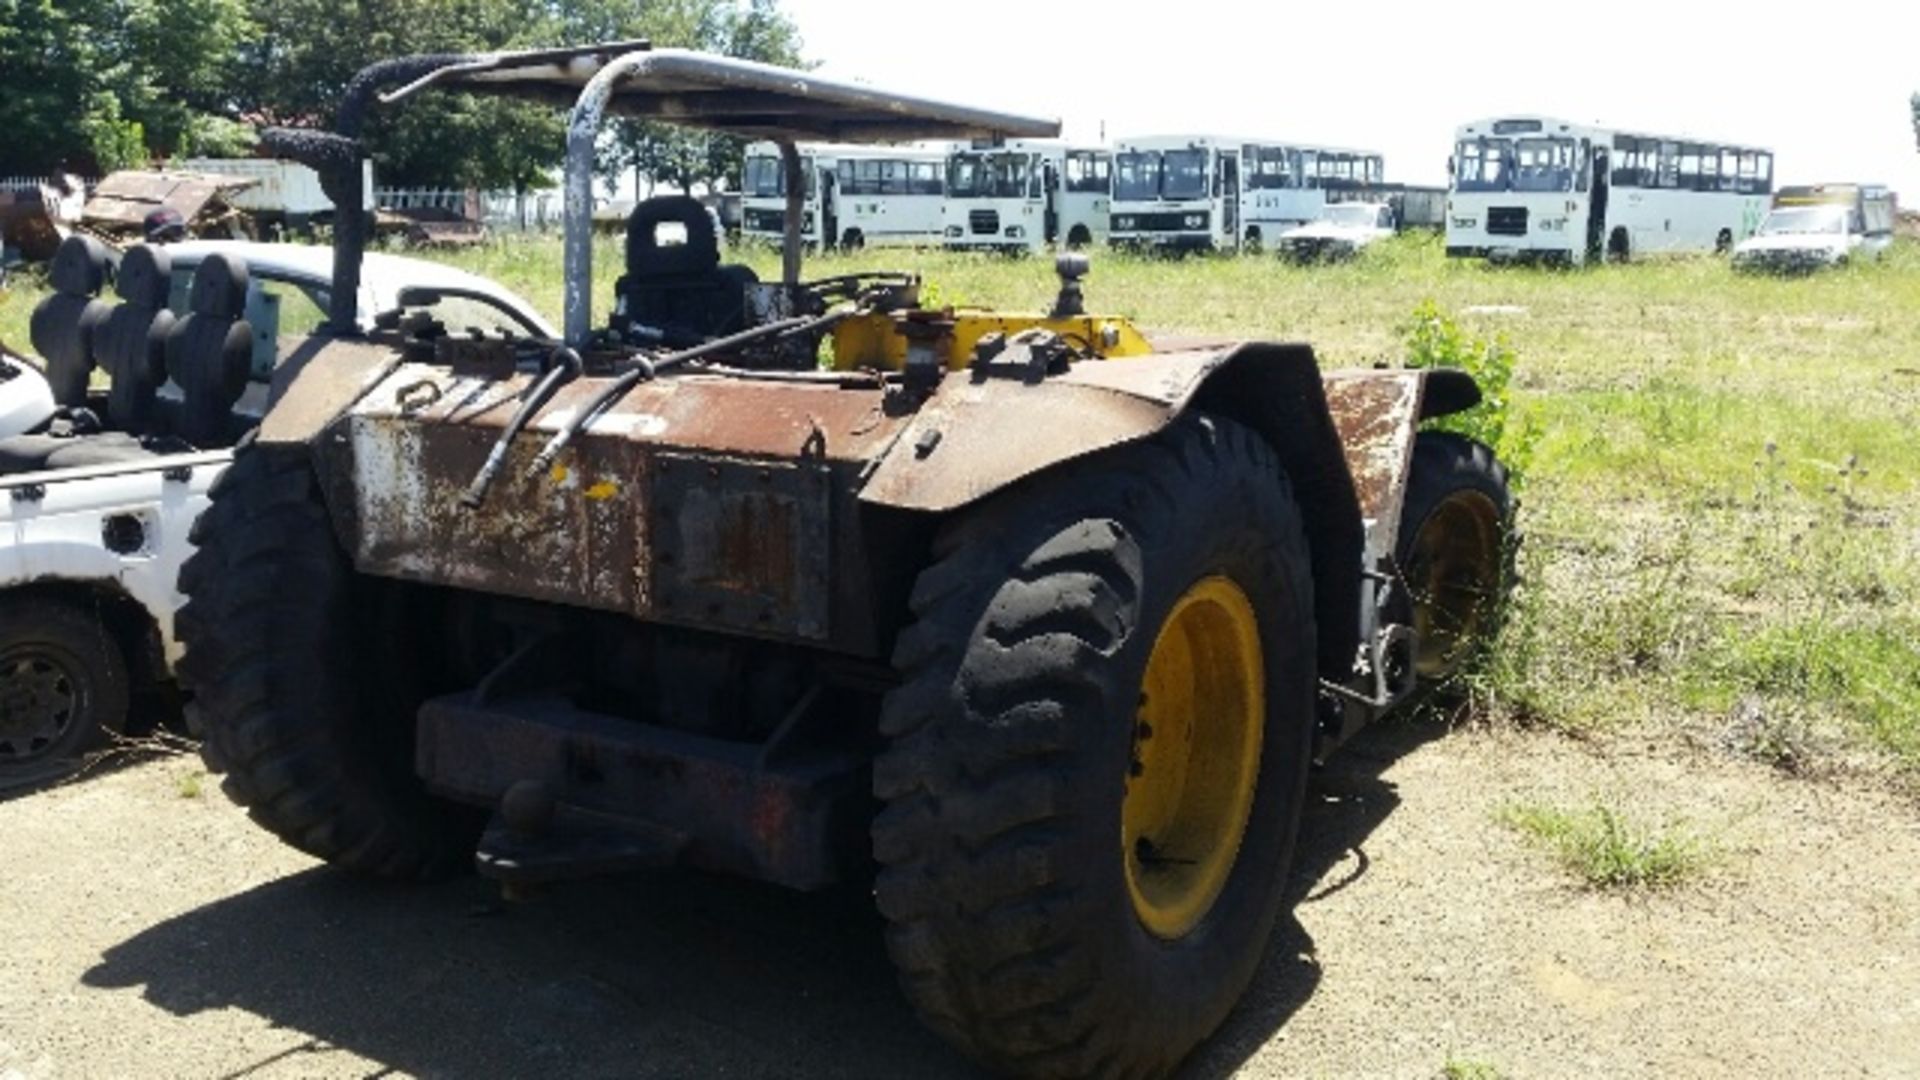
[131, 344]
[209, 350]
[658, 251]
[63, 324]
[674, 280]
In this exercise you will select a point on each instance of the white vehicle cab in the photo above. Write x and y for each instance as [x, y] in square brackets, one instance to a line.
[1536, 188]
[108, 449]
[1820, 225]
[1177, 192]
[1024, 194]
[1344, 230]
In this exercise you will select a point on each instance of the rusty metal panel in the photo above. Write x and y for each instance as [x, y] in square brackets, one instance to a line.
[741, 543]
[974, 437]
[574, 534]
[318, 380]
[1377, 414]
[697, 500]
[124, 199]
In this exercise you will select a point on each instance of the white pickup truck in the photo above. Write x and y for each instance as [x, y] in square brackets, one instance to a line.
[88, 558]
[95, 509]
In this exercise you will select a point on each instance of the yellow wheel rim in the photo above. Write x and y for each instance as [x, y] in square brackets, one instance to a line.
[1196, 757]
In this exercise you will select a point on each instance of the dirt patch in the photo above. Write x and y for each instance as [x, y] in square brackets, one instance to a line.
[152, 931]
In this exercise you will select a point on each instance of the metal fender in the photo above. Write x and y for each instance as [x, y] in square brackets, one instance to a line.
[320, 379]
[1340, 437]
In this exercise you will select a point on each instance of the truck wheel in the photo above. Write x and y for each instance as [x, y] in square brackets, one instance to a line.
[63, 685]
[1454, 551]
[1097, 754]
[304, 684]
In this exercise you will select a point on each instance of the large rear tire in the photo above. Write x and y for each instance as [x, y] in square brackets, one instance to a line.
[303, 678]
[1097, 756]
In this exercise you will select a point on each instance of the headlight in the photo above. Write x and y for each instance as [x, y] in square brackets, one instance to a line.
[1196, 221]
[806, 222]
[1015, 232]
[1123, 223]
[1466, 223]
[954, 231]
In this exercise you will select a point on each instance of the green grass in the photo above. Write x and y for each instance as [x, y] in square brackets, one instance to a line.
[1722, 512]
[1606, 848]
[1469, 1069]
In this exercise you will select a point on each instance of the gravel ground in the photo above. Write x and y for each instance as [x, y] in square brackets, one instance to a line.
[149, 930]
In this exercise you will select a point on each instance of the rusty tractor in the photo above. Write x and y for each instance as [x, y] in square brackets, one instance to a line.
[1032, 622]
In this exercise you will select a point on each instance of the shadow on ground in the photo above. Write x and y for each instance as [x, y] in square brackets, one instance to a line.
[672, 975]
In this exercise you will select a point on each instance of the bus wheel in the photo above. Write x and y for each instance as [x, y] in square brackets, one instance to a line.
[1078, 237]
[1723, 243]
[1253, 240]
[851, 240]
[1617, 246]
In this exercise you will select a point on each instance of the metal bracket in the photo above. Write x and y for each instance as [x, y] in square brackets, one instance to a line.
[1030, 356]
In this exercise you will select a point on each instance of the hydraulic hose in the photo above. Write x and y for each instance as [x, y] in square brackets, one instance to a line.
[645, 369]
[563, 367]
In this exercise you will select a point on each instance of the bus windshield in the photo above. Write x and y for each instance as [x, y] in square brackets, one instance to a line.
[1805, 220]
[1185, 175]
[766, 177]
[1136, 175]
[1538, 164]
[989, 176]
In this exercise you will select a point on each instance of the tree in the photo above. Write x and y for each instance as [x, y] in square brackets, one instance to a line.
[298, 67]
[94, 85]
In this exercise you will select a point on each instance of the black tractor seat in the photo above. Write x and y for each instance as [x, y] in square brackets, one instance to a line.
[675, 288]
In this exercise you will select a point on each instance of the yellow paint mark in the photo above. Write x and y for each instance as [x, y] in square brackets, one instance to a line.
[560, 474]
[602, 491]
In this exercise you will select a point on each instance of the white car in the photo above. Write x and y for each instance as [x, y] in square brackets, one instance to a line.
[92, 535]
[1820, 225]
[1343, 231]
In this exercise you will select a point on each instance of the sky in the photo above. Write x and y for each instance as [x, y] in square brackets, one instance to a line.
[1825, 87]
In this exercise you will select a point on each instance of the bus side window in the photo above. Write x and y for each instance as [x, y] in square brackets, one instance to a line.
[1583, 165]
[1669, 165]
[1729, 170]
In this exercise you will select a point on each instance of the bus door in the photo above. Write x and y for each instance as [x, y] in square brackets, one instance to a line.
[1050, 201]
[1597, 204]
[1229, 187]
[829, 208]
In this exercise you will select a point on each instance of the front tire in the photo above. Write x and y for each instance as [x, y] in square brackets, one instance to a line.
[305, 685]
[1097, 756]
[1454, 552]
[63, 685]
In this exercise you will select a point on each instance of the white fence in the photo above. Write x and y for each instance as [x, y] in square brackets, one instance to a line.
[498, 209]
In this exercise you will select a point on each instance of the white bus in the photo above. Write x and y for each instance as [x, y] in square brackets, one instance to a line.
[1290, 185]
[1530, 187]
[855, 195]
[1027, 193]
[763, 192]
[1211, 192]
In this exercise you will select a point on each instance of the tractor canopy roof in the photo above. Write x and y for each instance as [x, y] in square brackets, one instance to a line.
[720, 93]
